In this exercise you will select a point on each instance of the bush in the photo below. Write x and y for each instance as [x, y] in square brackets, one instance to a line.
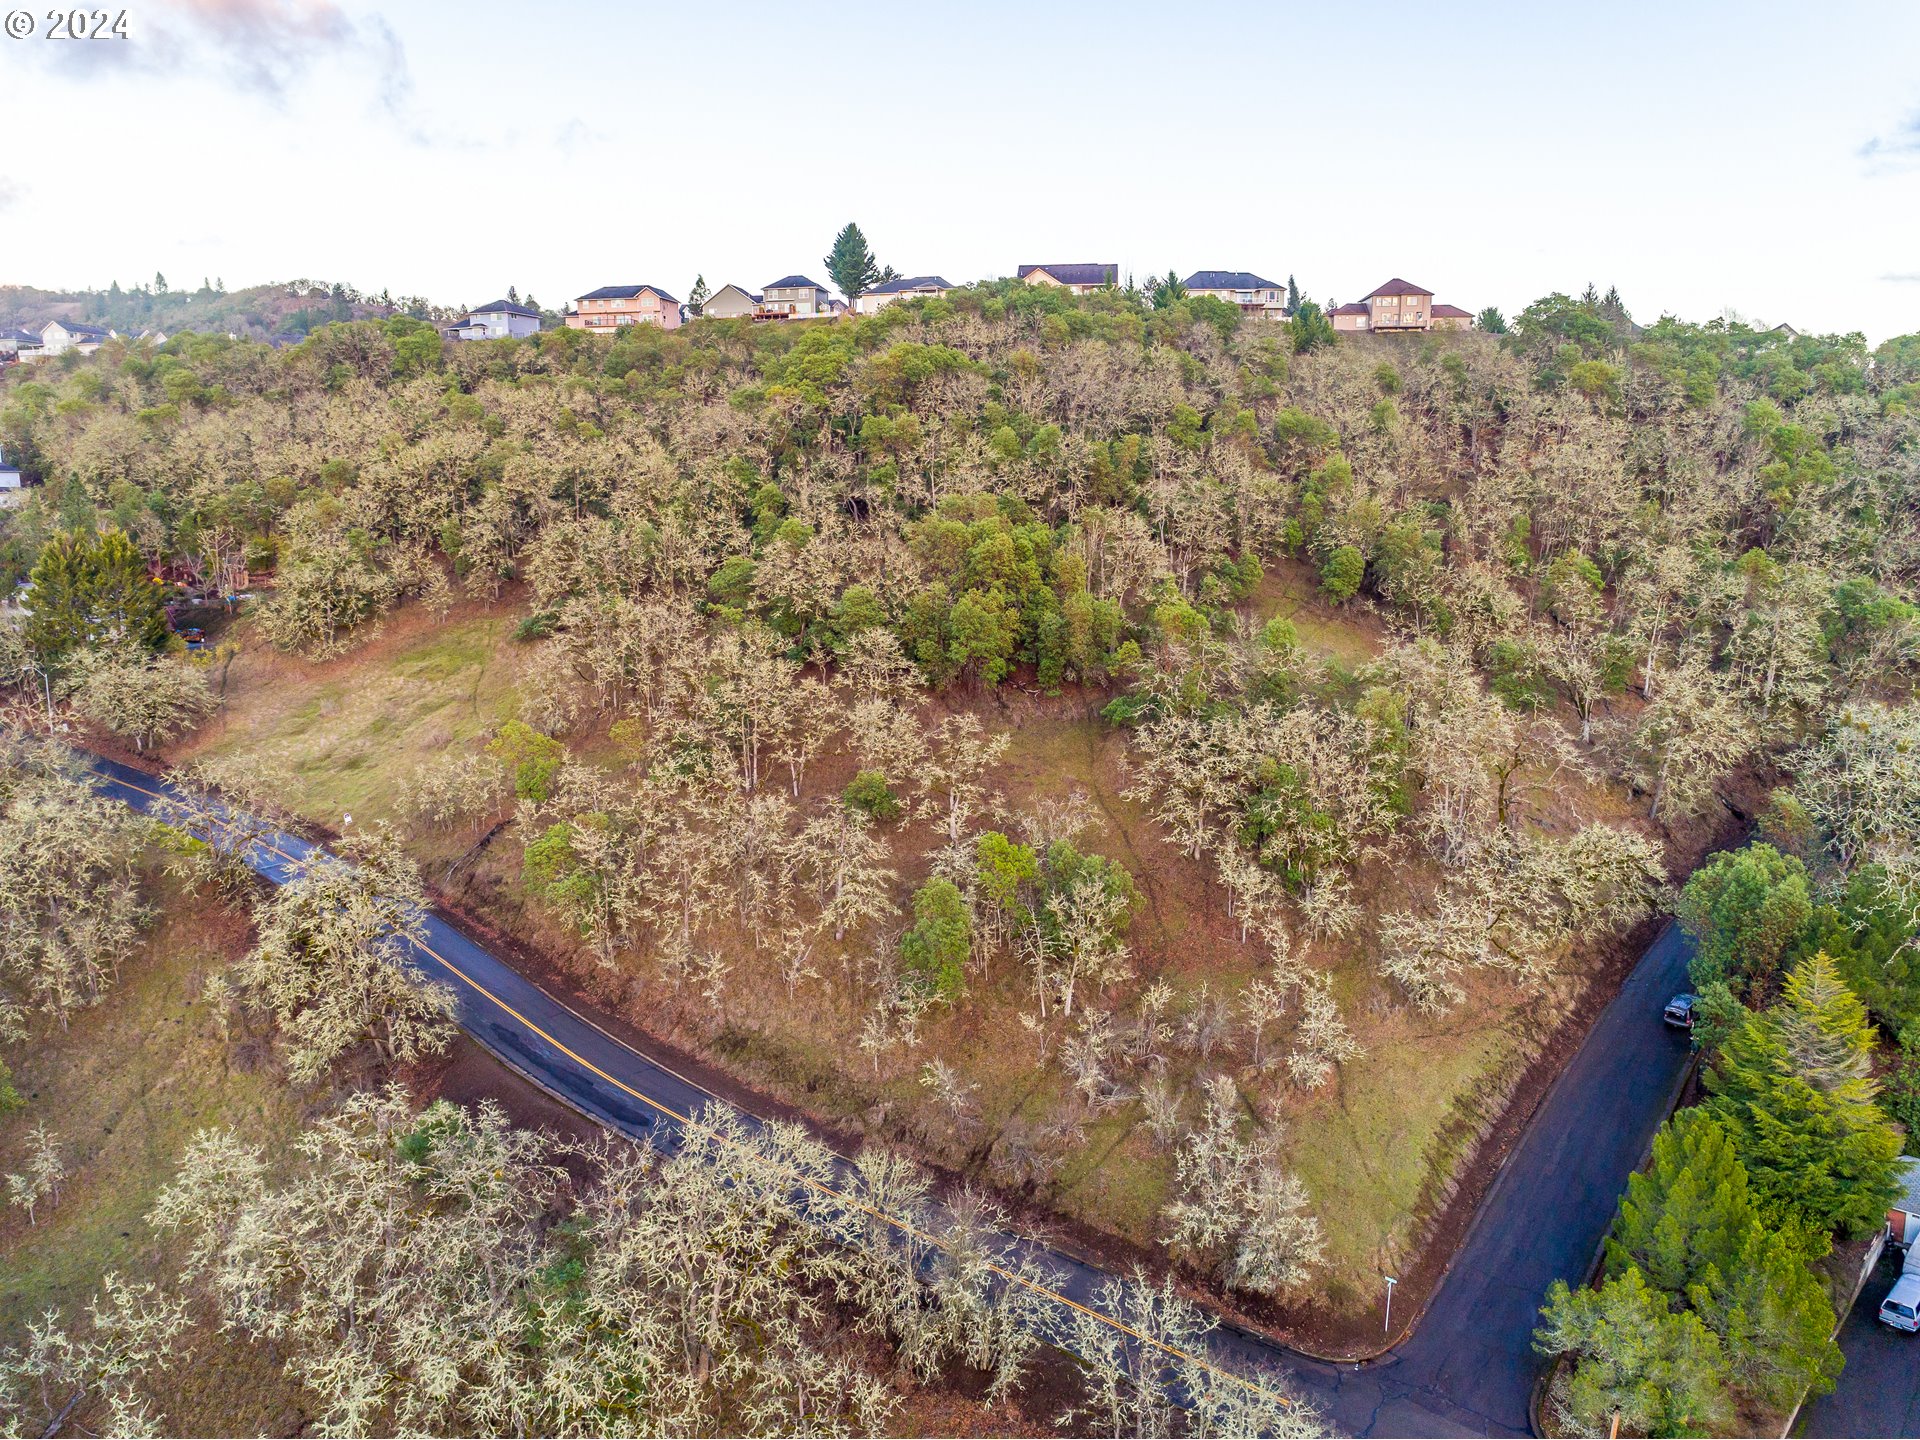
[1341, 574]
[934, 952]
[533, 758]
[869, 793]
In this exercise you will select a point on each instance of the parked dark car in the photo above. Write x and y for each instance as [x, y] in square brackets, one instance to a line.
[1679, 1011]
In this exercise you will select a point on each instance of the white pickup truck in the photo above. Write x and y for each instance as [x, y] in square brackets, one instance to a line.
[1901, 1308]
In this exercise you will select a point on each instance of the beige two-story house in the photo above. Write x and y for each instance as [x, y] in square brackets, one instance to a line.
[795, 297]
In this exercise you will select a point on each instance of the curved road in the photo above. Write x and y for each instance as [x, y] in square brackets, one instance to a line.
[1468, 1369]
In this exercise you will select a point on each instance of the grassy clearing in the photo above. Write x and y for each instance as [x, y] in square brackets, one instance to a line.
[1327, 632]
[126, 1088]
[348, 731]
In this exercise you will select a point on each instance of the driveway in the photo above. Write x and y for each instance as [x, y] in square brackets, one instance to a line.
[1879, 1391]
[1469, 1367]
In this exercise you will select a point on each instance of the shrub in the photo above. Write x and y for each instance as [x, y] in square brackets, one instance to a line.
[1341, 574]
[869, 793]
[934, 951]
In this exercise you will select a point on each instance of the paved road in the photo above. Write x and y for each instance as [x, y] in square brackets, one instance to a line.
[1467, 1370]
[1879, 1391]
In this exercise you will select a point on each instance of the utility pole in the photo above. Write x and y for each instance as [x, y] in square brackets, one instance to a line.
[1387, 1327]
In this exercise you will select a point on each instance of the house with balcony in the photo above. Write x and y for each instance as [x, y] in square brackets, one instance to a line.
[1399, 307]
[1241, 288]
[1081, 279]
[606, 310]
[872, 302]
[794, 297]
[13, 341]
[496, 320]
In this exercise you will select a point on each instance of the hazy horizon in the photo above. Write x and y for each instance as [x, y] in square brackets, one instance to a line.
[1701, 159]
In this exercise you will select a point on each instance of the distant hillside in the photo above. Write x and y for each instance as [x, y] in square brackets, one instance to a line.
[256, 312]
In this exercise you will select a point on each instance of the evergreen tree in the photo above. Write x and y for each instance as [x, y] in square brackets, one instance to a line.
[1636, 1362]
[57, 624]
[1310, 327]
[513, 296]
[1689, 1212]
[1773, 1318]
[1825, 1027]
[698, 296]
[1293, 295]
[1491, 320]
[1822, 1156]
[90, 590]
[850, 264]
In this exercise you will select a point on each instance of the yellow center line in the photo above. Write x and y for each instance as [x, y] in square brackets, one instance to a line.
[689, 1123]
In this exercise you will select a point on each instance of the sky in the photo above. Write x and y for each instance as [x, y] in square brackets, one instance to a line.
[1705, 157]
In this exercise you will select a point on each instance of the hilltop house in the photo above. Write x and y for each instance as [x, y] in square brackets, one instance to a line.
[1253, 295]
[872, 302]
[59, 336]
[12, 342]
[730, 302]
[605, 310]
[496, 320]
[1080, 279]
[9, 473]
[1399, 307]
[794, 297]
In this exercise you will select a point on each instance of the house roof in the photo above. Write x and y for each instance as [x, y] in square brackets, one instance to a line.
[915, 282]
[794, 282]
[1452, 312]
[1397, 286]
[84, 332]
[1228, 280]
[1907, 1177]
[1355, 307]
[624, 292]
[507, 307]
[1076, 274]
[20, 337]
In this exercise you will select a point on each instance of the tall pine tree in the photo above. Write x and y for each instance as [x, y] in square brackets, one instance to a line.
[850, 264]
[1816, 1146]
[1689, 1212]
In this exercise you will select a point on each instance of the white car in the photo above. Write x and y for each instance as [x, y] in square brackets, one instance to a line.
[1901, 1308]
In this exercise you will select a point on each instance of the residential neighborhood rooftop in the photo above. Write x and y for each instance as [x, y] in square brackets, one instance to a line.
[913, 282]
[1397, 286]
[1076, 274]
[508, 307]
[794, 282]
[624, 292]
[1228, 280]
